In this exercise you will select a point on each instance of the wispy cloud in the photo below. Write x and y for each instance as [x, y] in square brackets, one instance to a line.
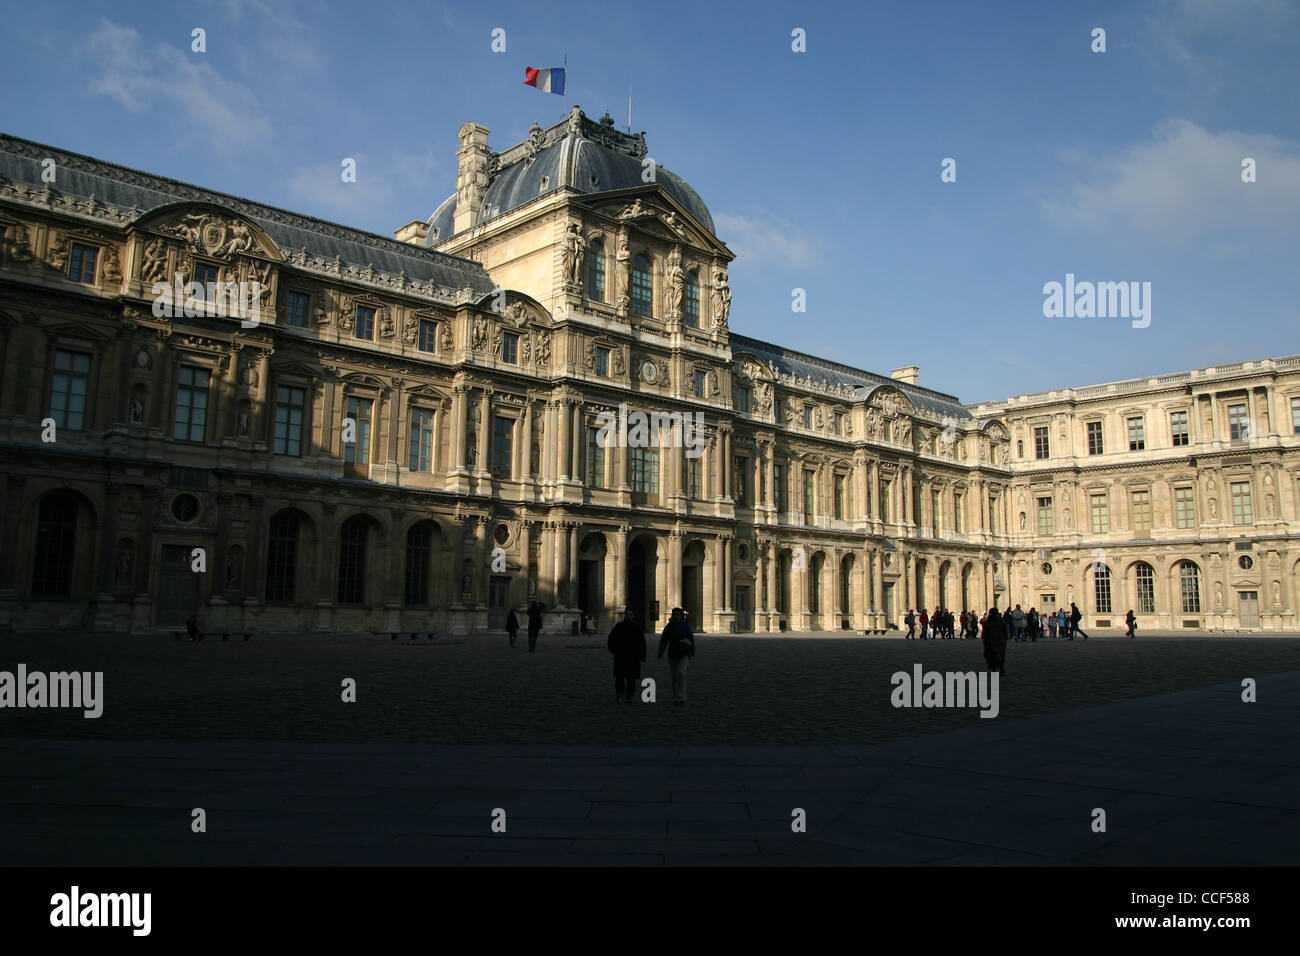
[764, 238]
[381, 182]
[216, 113]
[1182, 182]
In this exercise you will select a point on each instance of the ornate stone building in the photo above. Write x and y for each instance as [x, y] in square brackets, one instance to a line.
[394, 434]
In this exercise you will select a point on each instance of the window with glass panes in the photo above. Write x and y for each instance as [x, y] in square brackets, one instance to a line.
[352, 560]
[1178, 427]
[1184, 508]
[419, 545]
[503, 434]
[808, 515]
[1137, 437]
[1045, 517]
[957, 499]
[740, 480]
[1101, 589]
[602, 361]
[883, 497]
[1189, 586]
[56, 545]
[1242, 512]
[281, 556]
[839, 496]
[695, 477]
[1238, 424]
[81, 263]
[778, 410]
[1141, 511]
[645, 470]
[357, 452]
[807, 416]
[596, 271]
[936, 510]
[1295, 415]
[68, 387]
[421, 439]
[595, 459]
[742, 398]
[207, 276]
[365, 325]
[1041, 446]
[779, 487]
[1146, 589]
[427, 340]
[290, 411]
[1100, 509]
[691, 300]
[700, 381]
[191, 418]
[1095, 446]
[642, 291]
[510, 348]
[295, 309]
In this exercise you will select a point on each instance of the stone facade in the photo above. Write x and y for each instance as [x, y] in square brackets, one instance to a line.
[406, 435]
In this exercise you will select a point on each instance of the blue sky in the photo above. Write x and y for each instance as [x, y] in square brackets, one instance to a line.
[822, 168]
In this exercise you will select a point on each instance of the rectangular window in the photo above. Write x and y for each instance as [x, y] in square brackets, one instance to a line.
[839, 496]
[68, 387]
[1238, 424]
[1295, 415]
[1045, 517]
[1242, 512]
[81, 263]
[695, 477]
[503, 433]
[290, 410]
[884, 500]
[365, 327]
[807, 416]
[809, 517]
[701, 382]
[778, 410]
[1041, 448]
[1094, 438]
[596, 272]
[602, 362]
[936, 510]
[1185, 507]
[691, 302]
[740, 481]
[742, 398]
[428, 337]
[357, 452]
[1141, 511]
[779, 483]
[645, 470]
[1101, 579]
[1100, 514]
[510, 348]
[595, 459]
[295, 311]
[1146, 589]
[421, 450]
[1178, 426]
[956, 511]
[1137, 435]
[190, 422]
[206, 276]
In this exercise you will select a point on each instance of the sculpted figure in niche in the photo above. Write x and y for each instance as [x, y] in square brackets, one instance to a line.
[574, 244]
[234, 568]
[676, 279]
[155, 262]
[1214, 509]
[721, 301]
[622, 258]
[124, 559]
[1218, 594]
[137, 407]
[1277, 594]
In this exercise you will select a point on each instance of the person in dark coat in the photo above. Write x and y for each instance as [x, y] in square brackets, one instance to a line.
[679, 641]
[1132, 623]
[995, 640]
[627, 644]
[512, 627]
[534, 624]
[1075, 617]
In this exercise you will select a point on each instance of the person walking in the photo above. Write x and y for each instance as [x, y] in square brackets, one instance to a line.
[925, 623]
[1033, 624]
[512, 627]
[1018, 623]
[678, 640]
[910, 620]
[534, 624]
[1051, 624]
[1075, 617]
[1063, 620]
[1132, 623]
[995, 640]
[627, 644]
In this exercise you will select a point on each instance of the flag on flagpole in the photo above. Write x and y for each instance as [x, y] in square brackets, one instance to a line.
[548, 81]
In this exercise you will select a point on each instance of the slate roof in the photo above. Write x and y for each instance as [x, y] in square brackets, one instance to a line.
[126, 188]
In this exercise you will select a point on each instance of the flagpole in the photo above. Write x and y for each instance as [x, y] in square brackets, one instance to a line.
[566, 86]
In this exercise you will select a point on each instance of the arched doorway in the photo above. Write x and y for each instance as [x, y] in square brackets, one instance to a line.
[642, 564]
[591, 578]
[693, 558]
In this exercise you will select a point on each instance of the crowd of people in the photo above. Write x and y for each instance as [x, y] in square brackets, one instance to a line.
[1020, 625]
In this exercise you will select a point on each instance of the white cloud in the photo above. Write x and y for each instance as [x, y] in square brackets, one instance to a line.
[766, 238]
[190, 97]
[1181, 182]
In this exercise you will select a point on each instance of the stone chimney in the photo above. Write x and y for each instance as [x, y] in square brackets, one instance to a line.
[472, 180]
[908, 374]
[413, 232]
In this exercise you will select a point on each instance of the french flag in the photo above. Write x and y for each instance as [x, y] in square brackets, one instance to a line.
[548, 81]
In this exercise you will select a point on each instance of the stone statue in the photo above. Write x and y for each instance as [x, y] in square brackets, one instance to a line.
[385, 324]
[480, 335]
[616, 360]
[1268, 505]
[1214, 510]
[676, 280]
[155, 262]
[721, 301]
[322, 318]
[622, 259]
[1277, 594]
[137, 409]
[112, 268]
[1069, 519]
[124, 564]
[574, 244]
[1022, 521]
[243, 421]
[1218, 594]
[466, 580]
[234, 568]
[544, 348]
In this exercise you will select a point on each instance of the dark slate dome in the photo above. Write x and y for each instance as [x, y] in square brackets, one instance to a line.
[576, 154]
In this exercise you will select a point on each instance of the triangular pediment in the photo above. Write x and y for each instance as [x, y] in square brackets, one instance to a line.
[653, 210]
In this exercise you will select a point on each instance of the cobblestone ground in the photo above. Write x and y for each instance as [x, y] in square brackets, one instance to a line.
[477, 690]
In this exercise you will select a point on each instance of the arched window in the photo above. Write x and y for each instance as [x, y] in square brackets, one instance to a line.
[815, 584]
[352, 560]
[56, 544]
[1146, 589]
[1101, 585]
[642, 287]
[419, 542]
[846, 586]
[1189, 585]
[596, 271]
[691, 299]
[282, 557]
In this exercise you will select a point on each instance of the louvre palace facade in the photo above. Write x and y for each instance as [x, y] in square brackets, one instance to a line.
[396, 434]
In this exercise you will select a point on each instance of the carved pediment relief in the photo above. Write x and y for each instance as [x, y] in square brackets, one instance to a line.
[212, 231]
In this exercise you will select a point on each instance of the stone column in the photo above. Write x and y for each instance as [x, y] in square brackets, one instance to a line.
[772, 559]
[563, 450]
[484, 433]
[620, 571]
[525, 471]
[675, 568]
[459, 419]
